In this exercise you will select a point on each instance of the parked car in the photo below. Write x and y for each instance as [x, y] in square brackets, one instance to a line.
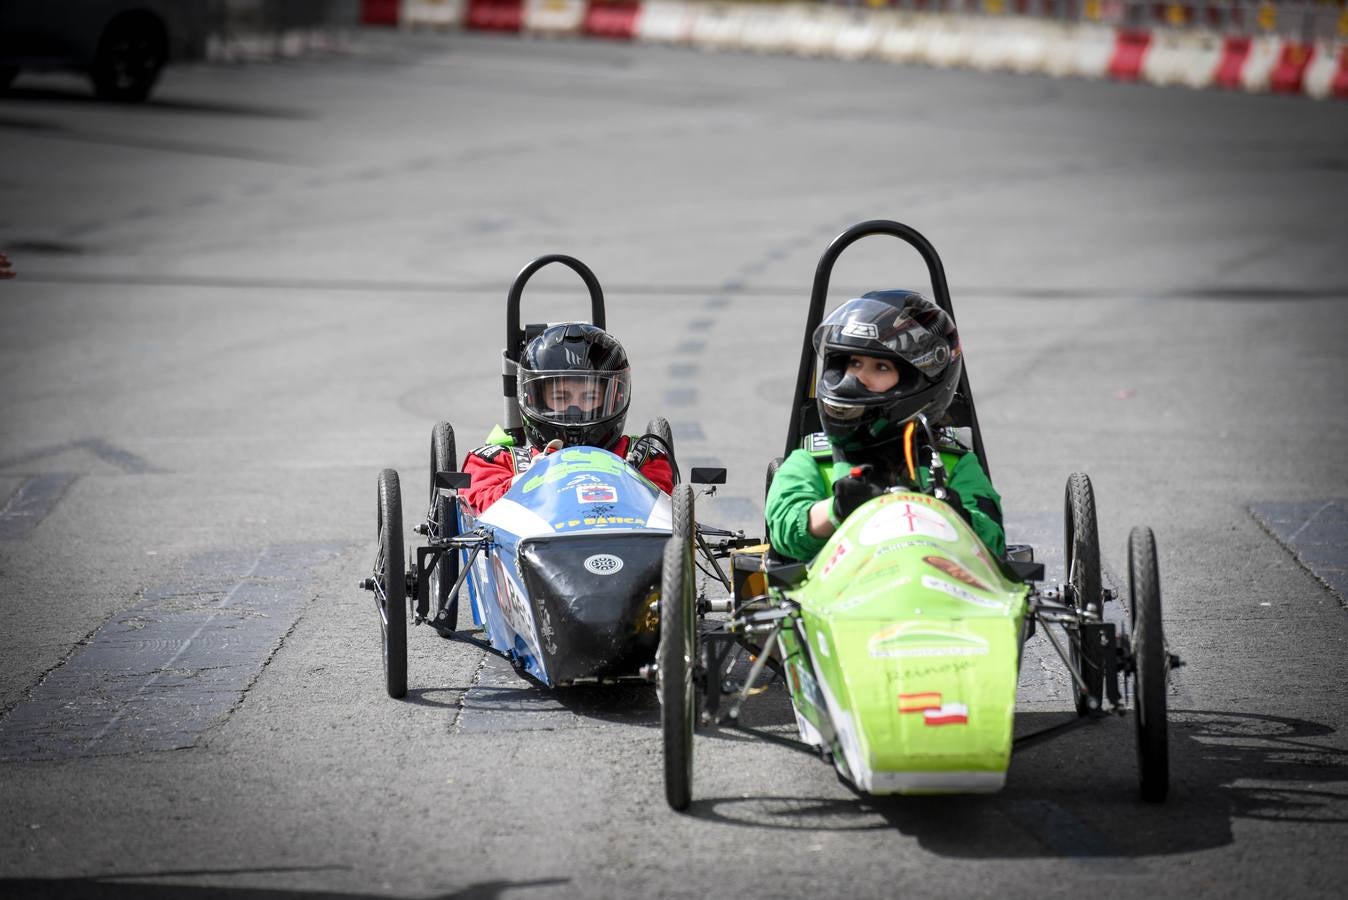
[122, 44]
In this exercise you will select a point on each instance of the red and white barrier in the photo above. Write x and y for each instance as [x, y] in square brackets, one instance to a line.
[1189, 57]
[1257, 72]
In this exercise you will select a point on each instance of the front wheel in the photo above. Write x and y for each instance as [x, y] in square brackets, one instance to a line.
[1081, 544]
[390, 584]
[1151, 666]
[677, 651]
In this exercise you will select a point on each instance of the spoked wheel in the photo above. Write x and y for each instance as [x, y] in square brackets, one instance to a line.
[444, 522]
[1081, 545]
[390, 585]
[1151, 666]
[677, 651]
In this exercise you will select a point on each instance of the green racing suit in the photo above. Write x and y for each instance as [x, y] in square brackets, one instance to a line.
[807, 476]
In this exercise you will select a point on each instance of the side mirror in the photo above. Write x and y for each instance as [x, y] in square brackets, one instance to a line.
[452, 481]
[707, 476]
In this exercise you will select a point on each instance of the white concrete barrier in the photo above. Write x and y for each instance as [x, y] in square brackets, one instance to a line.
[439, 14]
[1318, 82]
[816, 30]
[1030, 50]
[664, 21]
[902, 41]
[1060, 50]
[767, 29]
[717, 26]
[1200, 66]
[554, 16]
[1094, 49]
[949, 43]
[859, 34]
[992, 49]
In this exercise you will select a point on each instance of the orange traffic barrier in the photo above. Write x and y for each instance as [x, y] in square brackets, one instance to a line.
[615, 19]
[1290, 71]
[495, 15]
[1130, 49]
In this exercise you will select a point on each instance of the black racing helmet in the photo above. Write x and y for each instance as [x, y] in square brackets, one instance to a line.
[574, 384]
[905, 328]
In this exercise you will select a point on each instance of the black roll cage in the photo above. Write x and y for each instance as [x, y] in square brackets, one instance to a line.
[804, 415]
[516, 336]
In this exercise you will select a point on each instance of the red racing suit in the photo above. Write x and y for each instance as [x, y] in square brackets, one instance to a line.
[493, 470]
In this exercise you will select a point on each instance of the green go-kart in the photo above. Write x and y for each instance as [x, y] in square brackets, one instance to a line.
[901, 642]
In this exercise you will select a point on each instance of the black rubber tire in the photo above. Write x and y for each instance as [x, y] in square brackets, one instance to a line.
[7, 76]
[391, 584]
[443, 522]
[131, 53]
[1081, 545]
[1151, 666]
[676, 653]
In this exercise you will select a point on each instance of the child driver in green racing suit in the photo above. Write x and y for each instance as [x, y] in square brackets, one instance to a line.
[883, 359]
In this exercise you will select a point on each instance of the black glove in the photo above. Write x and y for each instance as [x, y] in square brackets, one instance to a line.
[956, 502]
[852, 491]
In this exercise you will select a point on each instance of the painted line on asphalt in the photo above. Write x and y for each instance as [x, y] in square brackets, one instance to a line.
[158, 675]
[31, 502]
[102, 449]
[1316, 534]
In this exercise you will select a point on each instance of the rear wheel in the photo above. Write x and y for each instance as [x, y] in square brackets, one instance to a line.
[390, 584]
[444, 522]
[131, 53]
[677, 651]
[1081, 544]
[1151, 666]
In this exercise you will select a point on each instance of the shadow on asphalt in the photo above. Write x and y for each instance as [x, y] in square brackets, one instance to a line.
[1079, 798]
[78, 96]
[115, 887]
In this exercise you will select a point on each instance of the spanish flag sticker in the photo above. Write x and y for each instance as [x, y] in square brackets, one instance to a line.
[919, 702]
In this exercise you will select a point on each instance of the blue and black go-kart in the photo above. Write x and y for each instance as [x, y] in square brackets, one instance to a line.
[563, 572]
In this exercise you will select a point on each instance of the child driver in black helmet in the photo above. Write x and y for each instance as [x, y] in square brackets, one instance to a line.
[882, 360]
[574, 387]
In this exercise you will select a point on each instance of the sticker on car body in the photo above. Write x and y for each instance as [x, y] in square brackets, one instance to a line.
[596, 493]
[603, 564]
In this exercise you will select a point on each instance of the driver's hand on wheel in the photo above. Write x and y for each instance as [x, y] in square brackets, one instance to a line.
[851, 492]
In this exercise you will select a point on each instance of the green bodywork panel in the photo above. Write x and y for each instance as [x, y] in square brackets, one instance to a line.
[905, 657]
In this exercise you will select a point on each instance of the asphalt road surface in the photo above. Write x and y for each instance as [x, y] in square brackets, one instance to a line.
[238, 302]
